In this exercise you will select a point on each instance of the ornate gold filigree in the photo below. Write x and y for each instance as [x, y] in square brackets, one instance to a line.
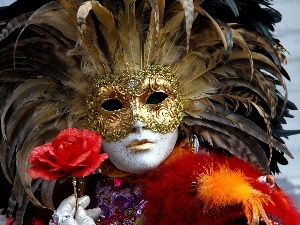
[132, 89]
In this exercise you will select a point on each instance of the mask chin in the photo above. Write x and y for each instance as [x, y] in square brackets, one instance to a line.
[141, 151]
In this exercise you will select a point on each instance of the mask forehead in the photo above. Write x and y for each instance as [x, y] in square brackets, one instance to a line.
[133, 90]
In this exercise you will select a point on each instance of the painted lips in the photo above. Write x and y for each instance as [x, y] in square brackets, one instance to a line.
[140, 145]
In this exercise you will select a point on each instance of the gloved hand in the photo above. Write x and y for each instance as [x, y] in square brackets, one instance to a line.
[5, 220]
[64, 215]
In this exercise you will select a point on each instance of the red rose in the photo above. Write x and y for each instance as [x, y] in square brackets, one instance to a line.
[73, 152]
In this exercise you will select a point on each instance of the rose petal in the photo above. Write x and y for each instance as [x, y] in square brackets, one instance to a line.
[46, 165]
[68, 155]
[93, 139]
[46, 162]
[39, 151]
[92, 166]
[72, 152]
[80, 158]
[67, 135]
[42, 157]
[35, 173]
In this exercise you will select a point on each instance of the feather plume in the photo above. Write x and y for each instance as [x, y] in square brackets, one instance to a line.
[188, 7]
[232, 5]
[222, 187]
[155, 8]
[14, 24]
[225, 61]
[167, 38]
[236, 141]
[128, 34]
[47, 189]
[218, 29]
[217, 114]
[102, 14]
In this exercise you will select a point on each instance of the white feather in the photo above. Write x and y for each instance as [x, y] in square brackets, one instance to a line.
[188, 7]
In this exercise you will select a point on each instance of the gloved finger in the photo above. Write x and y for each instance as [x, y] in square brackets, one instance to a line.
[84, 201]
[68, 220]
[82, 218]
[66, 207]
[93, 213]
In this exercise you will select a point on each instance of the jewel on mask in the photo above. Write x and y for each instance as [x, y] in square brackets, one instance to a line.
[131, 84]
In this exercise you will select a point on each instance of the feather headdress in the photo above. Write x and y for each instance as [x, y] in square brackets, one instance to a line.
[225, 60]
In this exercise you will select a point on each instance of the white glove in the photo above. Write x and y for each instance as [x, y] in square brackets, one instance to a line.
[4, 220]
[66, 210]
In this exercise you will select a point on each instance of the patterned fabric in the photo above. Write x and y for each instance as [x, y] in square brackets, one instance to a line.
[121, 203]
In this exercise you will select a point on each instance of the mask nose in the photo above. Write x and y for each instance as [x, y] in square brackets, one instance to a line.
[138, 127]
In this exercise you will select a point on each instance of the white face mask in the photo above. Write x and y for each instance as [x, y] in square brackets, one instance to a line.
[142, 150]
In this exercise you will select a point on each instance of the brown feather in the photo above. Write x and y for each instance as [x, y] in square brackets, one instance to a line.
[239, 143]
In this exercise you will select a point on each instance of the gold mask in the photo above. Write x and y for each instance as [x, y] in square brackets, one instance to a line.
[117, 101]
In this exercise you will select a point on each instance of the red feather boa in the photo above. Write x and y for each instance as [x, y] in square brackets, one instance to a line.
[171, 196]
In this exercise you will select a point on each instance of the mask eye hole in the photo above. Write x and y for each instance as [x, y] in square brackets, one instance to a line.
[156, 98]
[112, 104]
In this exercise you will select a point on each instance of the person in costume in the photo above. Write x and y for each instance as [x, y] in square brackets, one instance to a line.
[183, 93]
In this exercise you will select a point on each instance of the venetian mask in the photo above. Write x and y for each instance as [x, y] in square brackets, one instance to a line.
[142, 150]
[138, 114]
